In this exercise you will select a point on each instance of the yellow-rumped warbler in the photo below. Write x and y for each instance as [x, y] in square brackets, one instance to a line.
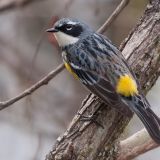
[101, 67]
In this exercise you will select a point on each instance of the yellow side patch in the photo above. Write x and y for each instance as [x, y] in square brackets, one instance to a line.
[70, 70]
[126, 86]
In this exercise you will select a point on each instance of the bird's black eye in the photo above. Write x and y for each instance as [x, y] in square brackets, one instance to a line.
[69, 27]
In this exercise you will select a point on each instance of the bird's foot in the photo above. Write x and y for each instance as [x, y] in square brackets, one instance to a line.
[92, 118]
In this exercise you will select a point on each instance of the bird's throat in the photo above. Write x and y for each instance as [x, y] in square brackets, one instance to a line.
[64, 39]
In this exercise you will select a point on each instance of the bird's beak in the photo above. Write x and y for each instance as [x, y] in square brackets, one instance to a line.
[52, 30]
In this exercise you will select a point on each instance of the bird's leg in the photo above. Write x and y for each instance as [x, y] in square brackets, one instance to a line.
[92, 118]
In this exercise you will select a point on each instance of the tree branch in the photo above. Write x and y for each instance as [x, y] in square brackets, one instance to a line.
[86, 140]
[136, 145]
[53, 73]
[113, 16]
[43, 81]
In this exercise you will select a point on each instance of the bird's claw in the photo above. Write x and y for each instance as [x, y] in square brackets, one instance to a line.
[91, 118]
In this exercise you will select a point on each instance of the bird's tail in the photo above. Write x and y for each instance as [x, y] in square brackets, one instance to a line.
[150, 120]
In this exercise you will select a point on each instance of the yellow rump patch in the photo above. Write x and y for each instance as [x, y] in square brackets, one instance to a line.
[126, 86]
[70, 70]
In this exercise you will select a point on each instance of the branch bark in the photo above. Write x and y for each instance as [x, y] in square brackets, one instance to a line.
[87, 141]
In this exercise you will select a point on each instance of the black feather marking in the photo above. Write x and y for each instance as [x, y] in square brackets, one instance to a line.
[86, 78]
[75, 30]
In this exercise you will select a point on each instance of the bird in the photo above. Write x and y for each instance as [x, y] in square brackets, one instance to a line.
[100, 66]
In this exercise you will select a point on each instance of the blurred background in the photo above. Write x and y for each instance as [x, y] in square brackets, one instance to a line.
[29, 128]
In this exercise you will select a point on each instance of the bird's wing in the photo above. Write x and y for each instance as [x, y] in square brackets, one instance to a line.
[102, 87]
[95, 76]
[120, 56]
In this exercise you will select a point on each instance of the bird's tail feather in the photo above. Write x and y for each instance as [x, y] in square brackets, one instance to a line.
[150, 120]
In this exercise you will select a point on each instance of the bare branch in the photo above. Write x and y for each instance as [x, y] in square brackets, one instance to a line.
[53, 73]
[113, 16]
[30, 90]
[136, 145]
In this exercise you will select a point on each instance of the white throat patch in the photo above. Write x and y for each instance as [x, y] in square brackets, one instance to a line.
[64, 39]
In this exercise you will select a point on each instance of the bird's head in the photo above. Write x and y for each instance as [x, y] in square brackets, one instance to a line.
[68, 31]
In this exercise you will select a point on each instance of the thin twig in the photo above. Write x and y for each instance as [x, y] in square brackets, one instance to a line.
[136, 145]
[53, 73]
[34, 87]
[113, 16]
